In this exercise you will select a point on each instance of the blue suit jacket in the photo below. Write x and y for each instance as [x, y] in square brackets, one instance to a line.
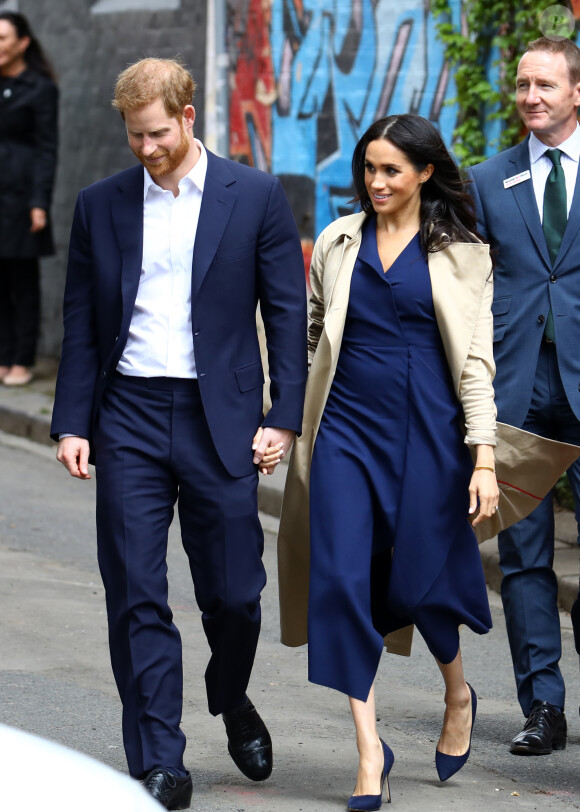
[247, 249]
[526, 285]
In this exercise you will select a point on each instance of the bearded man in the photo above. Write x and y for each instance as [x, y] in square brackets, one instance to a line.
[160, 384]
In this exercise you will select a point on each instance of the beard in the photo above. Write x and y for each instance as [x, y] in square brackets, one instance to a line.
[171, 158]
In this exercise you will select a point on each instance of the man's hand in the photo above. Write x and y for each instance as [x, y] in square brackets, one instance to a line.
[270, 445]
[37, 220]
[73, 452]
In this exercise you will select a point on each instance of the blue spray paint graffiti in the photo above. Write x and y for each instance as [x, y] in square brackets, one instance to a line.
[332, 68]
[340, 65]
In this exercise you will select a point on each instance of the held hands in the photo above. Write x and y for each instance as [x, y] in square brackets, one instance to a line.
[37, 219]
[73, 452]
[270, 445]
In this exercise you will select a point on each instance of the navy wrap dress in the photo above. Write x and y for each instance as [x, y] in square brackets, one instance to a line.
[390, 540]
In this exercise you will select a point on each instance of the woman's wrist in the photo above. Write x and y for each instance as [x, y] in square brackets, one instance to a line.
[485, 457]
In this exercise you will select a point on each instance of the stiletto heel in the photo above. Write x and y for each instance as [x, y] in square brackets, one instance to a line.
[370, 803]
[449, 765]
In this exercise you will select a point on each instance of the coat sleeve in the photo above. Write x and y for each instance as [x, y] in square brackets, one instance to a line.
[46, 142]
[476, 385]
[316, 305]
[282, 293]
[79, 364]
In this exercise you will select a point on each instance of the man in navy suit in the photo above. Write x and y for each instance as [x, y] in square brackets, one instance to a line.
[528, 206]
[160, 382]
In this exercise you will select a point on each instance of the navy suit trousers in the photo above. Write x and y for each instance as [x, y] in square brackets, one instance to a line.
[153, 449]
[529, 587]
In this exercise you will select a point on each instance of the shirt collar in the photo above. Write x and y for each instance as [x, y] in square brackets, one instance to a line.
[570, 147]
[195, 176]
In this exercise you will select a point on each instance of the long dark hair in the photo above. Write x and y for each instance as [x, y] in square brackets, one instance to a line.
[447, 212]
[34, 57]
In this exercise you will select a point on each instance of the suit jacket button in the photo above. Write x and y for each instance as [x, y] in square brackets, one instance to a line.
[541, 319]
[553, 278]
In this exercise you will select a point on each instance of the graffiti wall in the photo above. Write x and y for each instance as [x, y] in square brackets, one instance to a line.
[307, 77]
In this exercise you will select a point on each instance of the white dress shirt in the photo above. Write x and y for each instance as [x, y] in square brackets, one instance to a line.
[541, 166]
[160, 341]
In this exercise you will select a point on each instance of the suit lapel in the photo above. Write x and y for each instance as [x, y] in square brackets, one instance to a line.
[219, 197]
[526, 200]
[573, 225]
[127, 217]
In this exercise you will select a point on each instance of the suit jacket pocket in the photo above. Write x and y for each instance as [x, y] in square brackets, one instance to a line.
[250, 376]
[236, 252]
[500, 308]
[498, 331]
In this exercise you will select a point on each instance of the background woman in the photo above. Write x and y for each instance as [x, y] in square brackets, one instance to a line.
[28, 144]
[400, 342]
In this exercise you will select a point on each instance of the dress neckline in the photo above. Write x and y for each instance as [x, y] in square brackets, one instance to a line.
[369, 251]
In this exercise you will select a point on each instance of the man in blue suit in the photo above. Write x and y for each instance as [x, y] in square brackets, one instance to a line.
[528, 207]
[160, 382]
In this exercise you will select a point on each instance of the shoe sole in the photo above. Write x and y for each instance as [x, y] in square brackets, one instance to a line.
[522, 750]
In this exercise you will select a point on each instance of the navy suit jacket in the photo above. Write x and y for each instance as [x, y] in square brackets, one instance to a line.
[525, 283]
[247, 249]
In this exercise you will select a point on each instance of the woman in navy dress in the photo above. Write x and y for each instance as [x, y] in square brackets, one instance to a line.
[392, 481]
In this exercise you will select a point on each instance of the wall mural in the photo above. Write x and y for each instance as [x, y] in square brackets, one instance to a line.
[307, 77]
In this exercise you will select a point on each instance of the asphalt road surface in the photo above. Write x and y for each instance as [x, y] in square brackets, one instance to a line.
[55, 678]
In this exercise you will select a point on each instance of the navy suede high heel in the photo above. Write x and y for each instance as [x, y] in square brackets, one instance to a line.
[449, 765]
[370, 803]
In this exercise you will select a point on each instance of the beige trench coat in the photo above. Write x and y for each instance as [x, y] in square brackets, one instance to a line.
[527, 466]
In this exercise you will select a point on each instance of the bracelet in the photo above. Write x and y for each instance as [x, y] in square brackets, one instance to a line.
[484, 468]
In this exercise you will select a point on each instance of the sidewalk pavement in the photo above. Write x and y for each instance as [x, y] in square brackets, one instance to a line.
[26, 411]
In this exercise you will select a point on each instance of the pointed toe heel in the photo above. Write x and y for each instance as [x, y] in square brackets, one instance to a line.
[371, 803]
[449, 765]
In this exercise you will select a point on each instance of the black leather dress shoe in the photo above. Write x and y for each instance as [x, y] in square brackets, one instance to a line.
[171, 791]
[545, 730]
[249, 743]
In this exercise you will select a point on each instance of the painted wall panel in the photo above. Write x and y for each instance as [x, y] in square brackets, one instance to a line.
[307, 77]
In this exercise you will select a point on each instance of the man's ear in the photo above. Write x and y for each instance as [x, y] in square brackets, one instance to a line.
[189, 116]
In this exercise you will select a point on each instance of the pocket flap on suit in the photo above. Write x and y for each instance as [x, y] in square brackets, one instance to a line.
[229, 253]
[250, 376]
[501, 306]
[498, 332]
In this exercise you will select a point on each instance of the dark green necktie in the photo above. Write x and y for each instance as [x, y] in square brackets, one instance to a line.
[555, 216]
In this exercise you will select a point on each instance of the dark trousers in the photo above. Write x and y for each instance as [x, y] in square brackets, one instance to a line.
[529, 588]
[153, 449]
[19, 311]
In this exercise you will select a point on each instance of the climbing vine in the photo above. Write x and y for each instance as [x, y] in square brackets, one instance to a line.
[484, 53]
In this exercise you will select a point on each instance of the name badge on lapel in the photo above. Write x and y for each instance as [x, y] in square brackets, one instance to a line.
[515, 179]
